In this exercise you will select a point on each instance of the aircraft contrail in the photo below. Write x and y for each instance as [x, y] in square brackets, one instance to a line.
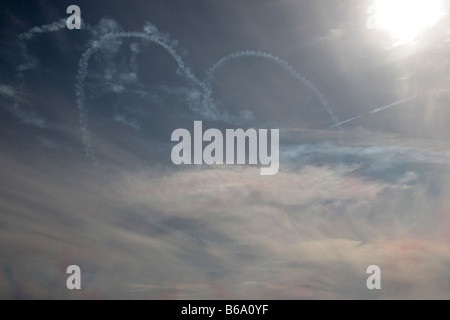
[393, 104]
[374, 111]
[344, 122]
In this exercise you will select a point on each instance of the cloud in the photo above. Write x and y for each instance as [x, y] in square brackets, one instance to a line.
[132, 123]
[373, 158]
[13, 102]
[7, 91]
[222, 232]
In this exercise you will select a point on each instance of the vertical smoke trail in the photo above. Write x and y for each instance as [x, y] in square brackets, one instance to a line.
[135, 50]
[282, 63]
[151, 34]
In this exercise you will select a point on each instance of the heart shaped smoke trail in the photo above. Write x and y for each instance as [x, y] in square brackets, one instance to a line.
[201, 98]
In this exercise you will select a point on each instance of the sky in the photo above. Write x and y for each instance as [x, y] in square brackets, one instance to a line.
[359, 91]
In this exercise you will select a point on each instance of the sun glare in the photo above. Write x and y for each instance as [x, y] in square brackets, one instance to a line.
[405, 20]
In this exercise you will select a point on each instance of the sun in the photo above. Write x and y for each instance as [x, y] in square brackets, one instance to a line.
[405, 20]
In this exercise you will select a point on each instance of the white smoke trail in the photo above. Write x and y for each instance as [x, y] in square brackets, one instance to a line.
[282, 63]
[393, 104]
[374, 111]
[135, 50]
[344, 122]
[55, 26]
[151, 34]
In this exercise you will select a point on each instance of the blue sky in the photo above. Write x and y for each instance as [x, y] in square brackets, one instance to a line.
[86, 119]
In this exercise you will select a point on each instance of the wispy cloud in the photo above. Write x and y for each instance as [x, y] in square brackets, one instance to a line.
[13, 102]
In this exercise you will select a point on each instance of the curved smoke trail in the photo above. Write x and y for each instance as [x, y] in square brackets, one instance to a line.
[149, 35]
[279, 61]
